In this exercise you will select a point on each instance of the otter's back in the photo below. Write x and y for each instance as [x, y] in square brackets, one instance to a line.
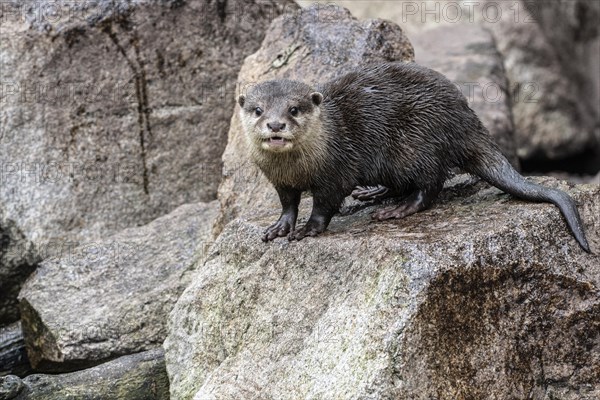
[402, 115]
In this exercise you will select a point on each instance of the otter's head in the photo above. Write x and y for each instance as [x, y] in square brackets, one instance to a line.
[279, 115]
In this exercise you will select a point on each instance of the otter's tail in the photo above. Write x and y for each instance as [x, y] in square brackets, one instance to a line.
[498, 172]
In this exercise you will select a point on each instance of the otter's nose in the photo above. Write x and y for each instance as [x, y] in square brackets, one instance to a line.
[275, 126]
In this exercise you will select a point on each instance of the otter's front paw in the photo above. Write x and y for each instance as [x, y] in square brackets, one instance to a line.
[278, 229]
[310, 229]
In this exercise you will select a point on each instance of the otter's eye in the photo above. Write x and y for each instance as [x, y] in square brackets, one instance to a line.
[293, 111]
[258, 111]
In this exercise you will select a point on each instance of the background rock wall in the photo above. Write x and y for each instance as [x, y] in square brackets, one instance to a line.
[111, 115]
[114, 115]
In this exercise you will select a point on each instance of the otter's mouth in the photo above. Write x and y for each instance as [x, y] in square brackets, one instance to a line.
[276, 141]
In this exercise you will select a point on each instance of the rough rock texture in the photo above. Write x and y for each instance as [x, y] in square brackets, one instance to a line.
[13, 357]
[313, 45]
[139, 376]
[18, 259]
[482, 296]
[116, 112]
[573, 30]
[111, 297]
[467, 55]
[551, 52]
[553, 117]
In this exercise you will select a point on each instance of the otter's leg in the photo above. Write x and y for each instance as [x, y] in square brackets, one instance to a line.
[418, 200]
[324, 208]
[290, 199]
[368, 193]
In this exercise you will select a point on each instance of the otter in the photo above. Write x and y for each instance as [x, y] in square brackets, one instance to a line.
[398, 127]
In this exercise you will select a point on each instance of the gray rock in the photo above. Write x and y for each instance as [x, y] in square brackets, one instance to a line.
[114, 113]
[13, 357]
[552, 117]
[572, 28]
[313, 45]
[111, 297]
[18, 259]
[140, 376]
[10, 387]
[482, 296]
[467, 55]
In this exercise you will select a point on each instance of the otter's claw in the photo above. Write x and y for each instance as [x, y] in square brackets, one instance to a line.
[310, 229]
[399, 212]
[363, 193]
[417, 201]
[279, 229]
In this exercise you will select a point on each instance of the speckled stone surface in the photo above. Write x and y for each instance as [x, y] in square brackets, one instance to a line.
[482, 296]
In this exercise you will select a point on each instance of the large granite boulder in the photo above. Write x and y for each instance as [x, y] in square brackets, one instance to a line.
[114, 113]
[112, 297]
[313, 45]
[482, 296]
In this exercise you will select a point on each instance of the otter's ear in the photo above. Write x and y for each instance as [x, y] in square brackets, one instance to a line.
[241, 100]
[316, 98]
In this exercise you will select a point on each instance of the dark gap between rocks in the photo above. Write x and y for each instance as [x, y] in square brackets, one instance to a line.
[584, 163]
